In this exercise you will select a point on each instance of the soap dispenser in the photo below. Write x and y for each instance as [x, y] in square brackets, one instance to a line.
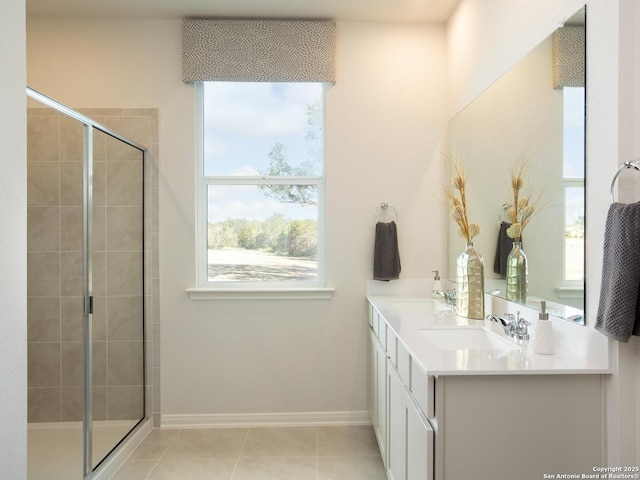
[437, 284]
[543, 341]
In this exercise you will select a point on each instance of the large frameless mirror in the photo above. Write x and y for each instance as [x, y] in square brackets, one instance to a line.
[537, 109]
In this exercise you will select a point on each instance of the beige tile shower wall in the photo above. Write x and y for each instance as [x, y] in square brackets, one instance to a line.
[55, 259]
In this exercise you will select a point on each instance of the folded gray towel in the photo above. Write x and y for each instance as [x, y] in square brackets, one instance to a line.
[619, 310]
[386, 256]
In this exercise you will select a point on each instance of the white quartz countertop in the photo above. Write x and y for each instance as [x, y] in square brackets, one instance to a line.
[410, 318]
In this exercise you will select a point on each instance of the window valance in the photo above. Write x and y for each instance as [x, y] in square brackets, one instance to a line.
[258, 50]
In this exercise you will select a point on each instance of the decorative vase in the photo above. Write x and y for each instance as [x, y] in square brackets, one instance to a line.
[517, 272]
[470, 284]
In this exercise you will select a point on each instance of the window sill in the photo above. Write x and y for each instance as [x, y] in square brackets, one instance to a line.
[260, 294]
[570, 292]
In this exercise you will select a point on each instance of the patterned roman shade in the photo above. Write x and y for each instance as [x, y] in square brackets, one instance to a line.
[258, 50]
[569, 50]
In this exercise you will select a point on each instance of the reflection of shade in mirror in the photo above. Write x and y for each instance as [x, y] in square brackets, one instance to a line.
[522, 113]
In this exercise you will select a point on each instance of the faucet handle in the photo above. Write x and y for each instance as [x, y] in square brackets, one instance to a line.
[522, 330]
[521, 322]
[449, 296]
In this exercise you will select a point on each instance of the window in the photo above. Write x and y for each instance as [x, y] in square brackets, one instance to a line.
[573, 173]
[261, 187]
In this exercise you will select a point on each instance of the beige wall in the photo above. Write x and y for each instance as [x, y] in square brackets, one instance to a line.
[385, 119]
[13, 243]
[484, 40]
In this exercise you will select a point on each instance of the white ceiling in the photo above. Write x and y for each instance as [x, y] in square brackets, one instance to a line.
[431, 11]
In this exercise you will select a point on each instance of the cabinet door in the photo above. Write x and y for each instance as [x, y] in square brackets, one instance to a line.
[381, 395]
[372, 379]
[410, 447]
[378, 393]
[419, 445]
[397, 407]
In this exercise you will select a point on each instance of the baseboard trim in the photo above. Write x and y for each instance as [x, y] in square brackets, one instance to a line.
[266, 419]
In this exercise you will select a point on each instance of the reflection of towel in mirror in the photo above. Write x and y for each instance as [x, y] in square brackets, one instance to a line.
[619, 310]
[386, 257]
[503, 247]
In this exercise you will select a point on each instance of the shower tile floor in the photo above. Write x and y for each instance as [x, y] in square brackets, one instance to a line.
[54, 451]
[261, 453]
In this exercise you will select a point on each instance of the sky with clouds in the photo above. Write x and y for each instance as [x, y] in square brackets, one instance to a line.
[573, 156]
[242, 123]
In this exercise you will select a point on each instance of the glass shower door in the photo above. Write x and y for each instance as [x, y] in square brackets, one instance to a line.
[118, 383]
[85, 290]
[55, 294]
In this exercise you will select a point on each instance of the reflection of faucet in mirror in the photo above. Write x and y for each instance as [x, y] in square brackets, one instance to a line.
[522, 111]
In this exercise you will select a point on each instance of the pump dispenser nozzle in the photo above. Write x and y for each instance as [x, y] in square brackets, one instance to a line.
[437, 284]
[543, 315]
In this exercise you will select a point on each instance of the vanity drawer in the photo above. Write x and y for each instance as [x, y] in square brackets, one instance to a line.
[382, 331]
[404, 364]
[423, 388]
[375, 322]
[392, 346]
[372, 312]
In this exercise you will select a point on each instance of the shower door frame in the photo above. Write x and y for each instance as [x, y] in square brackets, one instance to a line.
[89, 126]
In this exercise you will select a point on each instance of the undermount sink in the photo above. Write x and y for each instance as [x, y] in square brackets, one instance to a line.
[469, 338]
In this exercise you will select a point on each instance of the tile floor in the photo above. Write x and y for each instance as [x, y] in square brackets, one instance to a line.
[261, 453]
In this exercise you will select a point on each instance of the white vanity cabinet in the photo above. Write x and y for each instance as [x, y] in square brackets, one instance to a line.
[489, 424]
[410, 449]
[404, 435]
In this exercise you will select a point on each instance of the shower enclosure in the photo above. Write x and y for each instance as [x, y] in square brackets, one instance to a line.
[86, 291]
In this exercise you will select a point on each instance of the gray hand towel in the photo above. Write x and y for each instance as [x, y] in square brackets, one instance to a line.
[619, 309]
[503, 248]
[386, 257]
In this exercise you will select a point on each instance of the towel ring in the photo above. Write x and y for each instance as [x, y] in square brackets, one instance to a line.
[386, 213]
[502, 215]
[635, 165]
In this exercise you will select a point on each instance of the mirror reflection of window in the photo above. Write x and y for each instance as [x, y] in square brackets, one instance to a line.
[573, 174]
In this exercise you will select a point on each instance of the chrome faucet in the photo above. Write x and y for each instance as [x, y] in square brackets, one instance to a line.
[515, 327]
[449, 296]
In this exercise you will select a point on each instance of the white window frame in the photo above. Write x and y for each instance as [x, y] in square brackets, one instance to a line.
[222, 290]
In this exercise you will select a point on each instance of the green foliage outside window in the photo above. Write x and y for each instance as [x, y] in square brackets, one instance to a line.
[277, 235]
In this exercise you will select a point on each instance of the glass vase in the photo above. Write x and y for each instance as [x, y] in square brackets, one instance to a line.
[470, 284]
[517, 272]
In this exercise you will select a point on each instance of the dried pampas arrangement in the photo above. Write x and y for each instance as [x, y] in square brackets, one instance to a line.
[457, 198]
[522, 205]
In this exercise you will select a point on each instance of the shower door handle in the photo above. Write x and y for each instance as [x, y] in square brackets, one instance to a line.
[88, 305]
